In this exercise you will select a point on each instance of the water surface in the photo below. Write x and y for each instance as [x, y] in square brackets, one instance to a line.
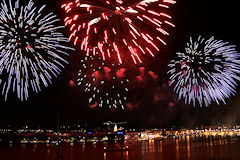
[201, 148]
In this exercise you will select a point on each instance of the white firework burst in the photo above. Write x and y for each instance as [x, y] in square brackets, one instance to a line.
[105, 84]
[207, 71]
[31, 47]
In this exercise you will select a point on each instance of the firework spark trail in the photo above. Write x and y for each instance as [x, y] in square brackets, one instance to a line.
[106, 87]
[31, 48]
[207, 71]
[113, 28]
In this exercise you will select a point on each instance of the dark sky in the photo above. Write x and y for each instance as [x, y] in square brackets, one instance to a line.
[155, 105]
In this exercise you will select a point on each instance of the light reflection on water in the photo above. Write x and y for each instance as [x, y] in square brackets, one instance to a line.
[177, 149]
[188, 148]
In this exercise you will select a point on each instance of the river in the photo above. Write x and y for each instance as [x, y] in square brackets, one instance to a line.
[195, 148]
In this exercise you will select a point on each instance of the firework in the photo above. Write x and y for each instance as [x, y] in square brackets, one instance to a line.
[106, 84]
[207, 71]
[31, 48]
[119, 29]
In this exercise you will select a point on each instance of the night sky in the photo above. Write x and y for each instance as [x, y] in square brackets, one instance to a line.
[154, 104]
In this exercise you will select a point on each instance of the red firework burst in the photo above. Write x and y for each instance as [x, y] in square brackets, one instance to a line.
[116, 28]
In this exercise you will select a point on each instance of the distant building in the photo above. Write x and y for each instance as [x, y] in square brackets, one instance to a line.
[115, 133]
